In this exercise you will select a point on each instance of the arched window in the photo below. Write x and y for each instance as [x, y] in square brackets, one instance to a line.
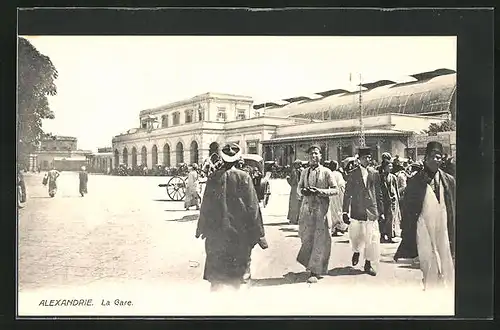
[144, 156]
[194, 152]
[213, 148]
[134, 157]
[154, 154]
[125, 156]
[188, 115]
[164, 121]
[117, 158]
[166, 155]
[179, 151]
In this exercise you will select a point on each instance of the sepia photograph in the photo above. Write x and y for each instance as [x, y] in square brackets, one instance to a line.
[236, 175]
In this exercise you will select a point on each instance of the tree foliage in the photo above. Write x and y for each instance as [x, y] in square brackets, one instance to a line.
[36, 81]
[445, 126]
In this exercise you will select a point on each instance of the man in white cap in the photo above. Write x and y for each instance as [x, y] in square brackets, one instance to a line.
[429, 220]
[230, 221]
[84, 178]
[362, 209]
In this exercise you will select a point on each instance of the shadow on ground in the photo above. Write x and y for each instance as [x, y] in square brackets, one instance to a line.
[277, 224]
[296, 236]
[187, 218]
[411, 266]
[290, 230]
[289, 278]
[165, 200]
[177, 210]
[344, 271]
[344, 241]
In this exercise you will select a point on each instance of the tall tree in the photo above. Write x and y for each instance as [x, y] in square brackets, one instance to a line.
[36, 80]
[445, 126]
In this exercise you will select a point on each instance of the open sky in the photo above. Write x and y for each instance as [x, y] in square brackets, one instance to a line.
[104, 81]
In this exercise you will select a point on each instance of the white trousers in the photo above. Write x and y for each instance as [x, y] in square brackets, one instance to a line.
[433, 244]
[365, 238]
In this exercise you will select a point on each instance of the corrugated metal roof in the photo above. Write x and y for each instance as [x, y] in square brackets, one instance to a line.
[432, 95]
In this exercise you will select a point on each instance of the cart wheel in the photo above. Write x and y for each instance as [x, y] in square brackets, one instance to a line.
[176, 188]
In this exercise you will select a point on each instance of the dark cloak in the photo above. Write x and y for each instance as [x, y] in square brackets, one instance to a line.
[84, 178]
[412, 207]
[231, 222]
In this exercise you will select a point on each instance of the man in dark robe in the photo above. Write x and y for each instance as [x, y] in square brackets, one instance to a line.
[230, 221]
[416, 194]
[84, 179]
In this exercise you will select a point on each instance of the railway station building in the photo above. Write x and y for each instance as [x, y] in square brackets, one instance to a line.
[395, 115]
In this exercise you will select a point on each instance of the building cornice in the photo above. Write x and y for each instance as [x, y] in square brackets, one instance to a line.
[63, 152]
[197, 99]
[261, 122]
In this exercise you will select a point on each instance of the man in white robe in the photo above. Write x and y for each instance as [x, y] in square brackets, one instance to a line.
[192, 188]
[316, 186]
[429, 221]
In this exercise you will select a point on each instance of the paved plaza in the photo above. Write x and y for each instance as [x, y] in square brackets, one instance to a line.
[126, 240]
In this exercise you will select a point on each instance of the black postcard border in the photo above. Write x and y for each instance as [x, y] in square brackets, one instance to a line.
[475, 48]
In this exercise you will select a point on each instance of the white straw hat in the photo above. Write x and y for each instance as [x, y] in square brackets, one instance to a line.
[231, 153]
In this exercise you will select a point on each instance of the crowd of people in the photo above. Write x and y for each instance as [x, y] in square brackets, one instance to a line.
[373, 203]
[144, 170]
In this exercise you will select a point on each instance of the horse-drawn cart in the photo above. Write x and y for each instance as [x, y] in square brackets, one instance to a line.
[254, 164]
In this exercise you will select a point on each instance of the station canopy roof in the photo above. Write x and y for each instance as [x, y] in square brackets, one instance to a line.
[422, 93]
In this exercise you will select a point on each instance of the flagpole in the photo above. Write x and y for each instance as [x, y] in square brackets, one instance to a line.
[361, 125]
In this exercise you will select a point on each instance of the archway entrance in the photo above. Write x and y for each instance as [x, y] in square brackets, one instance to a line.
[154, 154]
[144, 156]
[179, 151]
[213, 148]
[194, 152]
[125, 156]
[117, 158]
[166, 155]
[134, 157]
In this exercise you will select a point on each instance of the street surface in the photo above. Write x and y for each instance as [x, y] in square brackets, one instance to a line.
[126, 240]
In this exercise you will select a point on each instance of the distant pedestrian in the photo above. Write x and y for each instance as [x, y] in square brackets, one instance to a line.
[294, 200]
[316, 186]
[399, 170]
[84, 179]
[52, 176]
[192, 188]
[362, 209]
[390, 224]
[230, 221]
[338, 226]
[21, 188]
